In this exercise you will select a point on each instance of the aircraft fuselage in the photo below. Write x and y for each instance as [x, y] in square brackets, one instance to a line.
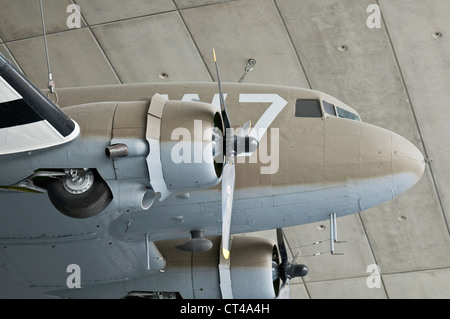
[315, 157]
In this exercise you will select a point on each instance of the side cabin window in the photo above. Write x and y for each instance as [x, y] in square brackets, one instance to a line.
[329, 108]
[308, 108]
[347, 114]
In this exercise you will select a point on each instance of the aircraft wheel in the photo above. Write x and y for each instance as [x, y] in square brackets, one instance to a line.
[80, 194]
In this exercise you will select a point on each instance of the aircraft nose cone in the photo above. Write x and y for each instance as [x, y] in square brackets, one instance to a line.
[408, 164]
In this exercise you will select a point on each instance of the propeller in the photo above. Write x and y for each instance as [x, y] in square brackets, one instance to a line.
[230, 145]
[287, 270]
[233, 145]
[229, 171]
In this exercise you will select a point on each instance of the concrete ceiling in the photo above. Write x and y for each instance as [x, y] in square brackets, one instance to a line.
[395, 76]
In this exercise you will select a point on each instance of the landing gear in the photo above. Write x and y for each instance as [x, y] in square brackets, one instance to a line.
[81, 193]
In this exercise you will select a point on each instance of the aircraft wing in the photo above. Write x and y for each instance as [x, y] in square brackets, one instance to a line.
[28, 119]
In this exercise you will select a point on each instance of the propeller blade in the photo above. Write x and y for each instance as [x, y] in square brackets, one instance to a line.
[228, 179]
[245, 129]
[281, 245]
[226, 118]
[286, 269]
[285, 291]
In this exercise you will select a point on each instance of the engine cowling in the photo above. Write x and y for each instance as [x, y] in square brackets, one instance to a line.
[247, 274]
[251, 268]
[189, 145]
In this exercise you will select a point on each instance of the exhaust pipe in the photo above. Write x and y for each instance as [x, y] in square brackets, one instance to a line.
[135, 197]
[117, 150]
[127, 147]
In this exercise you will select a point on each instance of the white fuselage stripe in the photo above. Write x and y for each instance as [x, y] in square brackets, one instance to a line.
[32, 136]
[278, 104]
[7, 93]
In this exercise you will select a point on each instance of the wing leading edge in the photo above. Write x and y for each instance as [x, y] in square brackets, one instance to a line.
[28, 119]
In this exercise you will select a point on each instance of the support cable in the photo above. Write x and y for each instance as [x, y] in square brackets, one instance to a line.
[51, 84]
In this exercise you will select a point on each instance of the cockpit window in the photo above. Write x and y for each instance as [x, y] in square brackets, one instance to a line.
[308, 108]
[329, 108]
[347, 114]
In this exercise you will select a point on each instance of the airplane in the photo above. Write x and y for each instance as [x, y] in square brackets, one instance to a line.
[151, 186]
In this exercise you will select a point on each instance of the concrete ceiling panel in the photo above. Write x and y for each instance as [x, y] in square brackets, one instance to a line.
[351, 288]
[143, 49]
[183, 4]
[101, 11]
[4, 50]
[240, 30]
[432, 284]
[298, 291]
[22, 19]
[73, 57]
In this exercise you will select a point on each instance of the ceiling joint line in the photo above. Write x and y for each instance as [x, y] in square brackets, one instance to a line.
[373, 254]
[195, 43]
[292, 44]
[13, 59]
[108, 61]
[102, 51]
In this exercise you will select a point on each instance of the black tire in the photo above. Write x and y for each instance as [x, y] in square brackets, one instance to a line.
[85, 205]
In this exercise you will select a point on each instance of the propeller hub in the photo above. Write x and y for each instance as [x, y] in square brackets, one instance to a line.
[245, 144]
[300, 270]
[287, 270]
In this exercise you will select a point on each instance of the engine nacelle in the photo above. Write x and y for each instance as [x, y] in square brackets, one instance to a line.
[188, 145]
[251, 268]
[247, 274]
